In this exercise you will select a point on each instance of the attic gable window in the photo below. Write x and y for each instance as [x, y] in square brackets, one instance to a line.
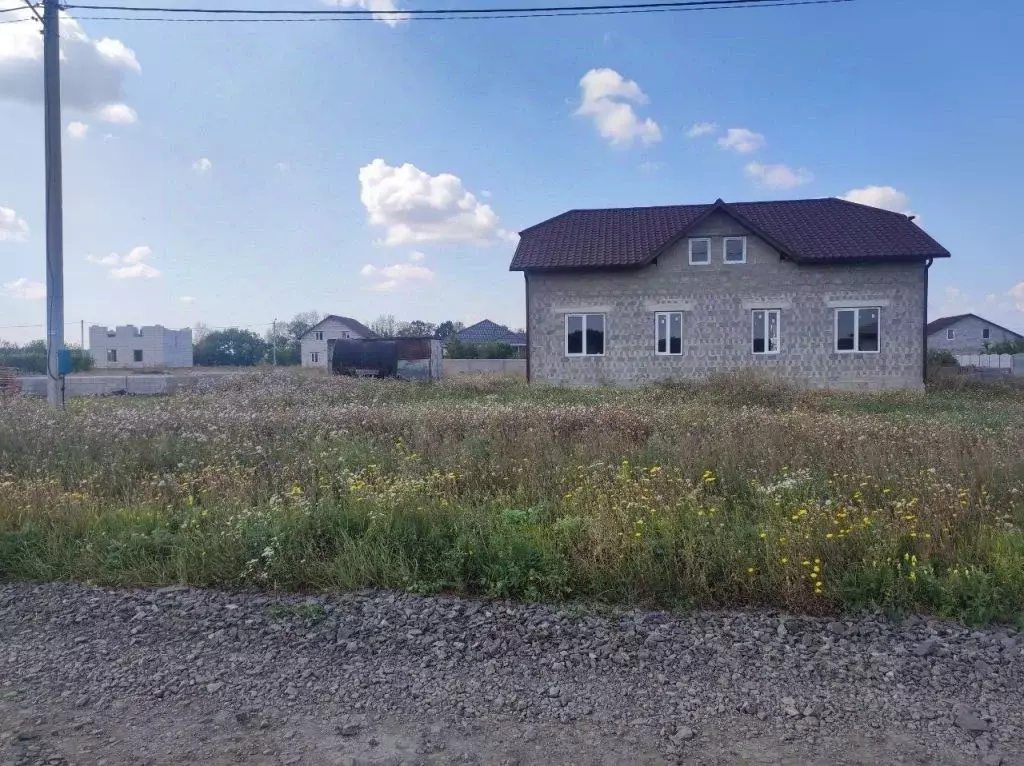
[950, 334]
[734, 250]
[319, 335]
[700, 251]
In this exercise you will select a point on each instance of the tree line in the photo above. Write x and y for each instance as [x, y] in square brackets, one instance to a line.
[240, 347]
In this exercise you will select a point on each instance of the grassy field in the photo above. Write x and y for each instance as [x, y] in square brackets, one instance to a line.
[734, 492]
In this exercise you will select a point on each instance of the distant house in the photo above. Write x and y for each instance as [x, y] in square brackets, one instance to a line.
[491, 332]
[131, 347]
[823, 291]
[967, 334]
[314, 342]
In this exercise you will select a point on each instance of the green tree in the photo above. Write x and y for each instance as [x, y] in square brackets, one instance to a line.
[1007, 347]
[456, 349]
[386, 326]
[448, 328]
[231, 347]
[499, 350]
[31, 358]
[416, 329]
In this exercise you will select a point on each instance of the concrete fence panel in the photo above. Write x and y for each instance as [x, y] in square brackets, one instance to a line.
[455, 367]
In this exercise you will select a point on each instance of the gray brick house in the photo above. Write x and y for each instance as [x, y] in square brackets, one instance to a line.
[967, 334]
[823, 291]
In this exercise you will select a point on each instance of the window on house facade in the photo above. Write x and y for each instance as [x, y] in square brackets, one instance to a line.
[584, 334]
[345, 334]
[668, 333]
[857, 330]
[137, 355]
[986, 333]
[950, 334]
[764, 331]
[314, 357]
[319, 335]
[734, 250]
[111, 354]
[700, 251]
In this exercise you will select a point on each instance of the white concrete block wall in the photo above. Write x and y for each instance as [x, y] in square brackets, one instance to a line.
[158, 346]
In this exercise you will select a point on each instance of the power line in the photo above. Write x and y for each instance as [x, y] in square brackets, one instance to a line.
[32, 8]
[275, 19]
[476, 16]
[377, 14]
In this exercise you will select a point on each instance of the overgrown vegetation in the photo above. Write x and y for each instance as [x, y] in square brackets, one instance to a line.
[738, 491]
[30, 358]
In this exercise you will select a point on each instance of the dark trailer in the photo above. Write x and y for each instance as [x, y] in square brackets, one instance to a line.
[405, 358]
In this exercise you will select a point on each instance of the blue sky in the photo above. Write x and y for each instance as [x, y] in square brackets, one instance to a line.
[234, 173]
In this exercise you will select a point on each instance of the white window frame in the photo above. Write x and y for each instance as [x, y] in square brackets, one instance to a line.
[112, 355]
[668, 338]
[725, 250]
[767, 324]
[950, 334]
[856, 330]
[314, 357]
[318, 335]
[700, 263]
[986, 333]
[584, 315]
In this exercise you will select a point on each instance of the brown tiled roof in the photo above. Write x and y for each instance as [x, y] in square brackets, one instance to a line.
[943, 322]
[826, 230]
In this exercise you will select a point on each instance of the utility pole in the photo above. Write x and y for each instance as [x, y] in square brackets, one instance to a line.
[83, 336]
[54, 206]
[273, 340]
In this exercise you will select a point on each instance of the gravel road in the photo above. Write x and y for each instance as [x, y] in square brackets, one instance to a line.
[97, 676]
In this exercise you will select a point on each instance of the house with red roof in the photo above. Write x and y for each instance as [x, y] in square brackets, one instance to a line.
[823, 291]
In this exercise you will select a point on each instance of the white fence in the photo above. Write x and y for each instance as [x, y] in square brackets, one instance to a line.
[454, 367]
[1010, 364]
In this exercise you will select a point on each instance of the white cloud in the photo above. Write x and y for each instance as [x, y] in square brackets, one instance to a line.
[778, 176]
[952, 293]
[741, 140]
[135, 271]
[1017, 294]
[132, 265]
[416, 256]
[118, 114]
[608, 99]
[202, 165]
[388, 278]
[283, 167]
[991, 298]
[12, 228]
[413, 206]
[93, 72]
[485, 193]
[885, 197]
[384, 10]
[78, 130]
[25, 290]
[702, 129]
[403, 272]
[187, 299]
